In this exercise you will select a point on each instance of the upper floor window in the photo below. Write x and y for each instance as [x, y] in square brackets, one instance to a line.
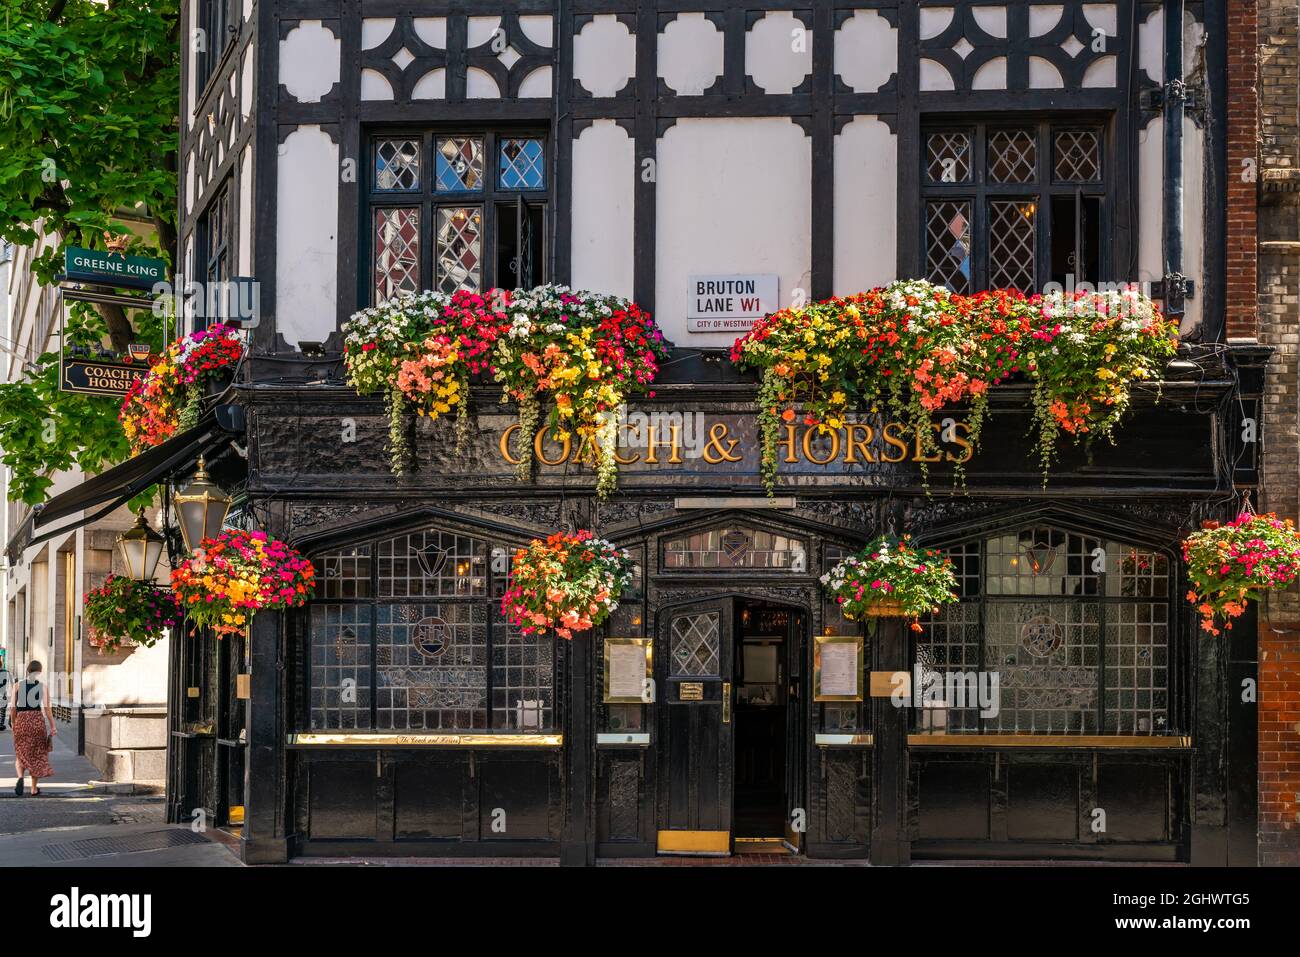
[216, 26]
[1077, 627]
[456, 211]
[213, 249]
[407, 635]
[1014, 206]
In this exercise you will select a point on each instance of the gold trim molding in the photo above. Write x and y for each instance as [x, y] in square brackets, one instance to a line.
[694, 842]
[331, 739]
[1026, 740]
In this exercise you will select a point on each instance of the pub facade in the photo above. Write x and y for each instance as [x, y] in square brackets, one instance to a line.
[715, 162]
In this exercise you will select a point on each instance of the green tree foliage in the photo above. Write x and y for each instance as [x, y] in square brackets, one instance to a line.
[88, 129]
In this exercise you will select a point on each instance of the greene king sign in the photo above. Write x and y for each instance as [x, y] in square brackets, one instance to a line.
[729, 303]
[112, 269]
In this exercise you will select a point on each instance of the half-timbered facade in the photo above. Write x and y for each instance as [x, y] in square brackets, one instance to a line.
[341, 151]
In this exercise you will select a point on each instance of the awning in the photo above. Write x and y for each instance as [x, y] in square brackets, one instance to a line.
[123, 482]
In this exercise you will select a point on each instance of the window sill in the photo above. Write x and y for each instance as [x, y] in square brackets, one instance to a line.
[382, 739]
[1113, 741]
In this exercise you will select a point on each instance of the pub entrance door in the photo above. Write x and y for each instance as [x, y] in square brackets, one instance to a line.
[731, 750]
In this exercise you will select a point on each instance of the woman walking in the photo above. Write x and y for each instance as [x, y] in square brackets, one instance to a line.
[30, 716]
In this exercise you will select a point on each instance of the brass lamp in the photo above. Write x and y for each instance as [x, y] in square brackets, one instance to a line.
[201, 507]
[141, 548]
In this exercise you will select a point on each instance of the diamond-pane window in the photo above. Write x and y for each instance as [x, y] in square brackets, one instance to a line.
[948, 157]
[523, 164]
[948, 251]
[397, 164]
[695, 645]
[1078, 156]
[460, 248]
[459, 164]
[1013, 156]
[1012, 235]
[397, 251]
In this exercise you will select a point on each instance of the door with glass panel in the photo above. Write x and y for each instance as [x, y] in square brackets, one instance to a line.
[695, 729]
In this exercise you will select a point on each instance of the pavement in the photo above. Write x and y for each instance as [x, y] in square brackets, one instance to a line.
[80, 821]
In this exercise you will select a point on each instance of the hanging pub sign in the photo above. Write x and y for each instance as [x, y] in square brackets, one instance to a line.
[99, 377]
[112, 269]
[729, 303]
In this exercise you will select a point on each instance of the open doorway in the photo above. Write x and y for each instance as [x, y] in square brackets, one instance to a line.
[768, 744]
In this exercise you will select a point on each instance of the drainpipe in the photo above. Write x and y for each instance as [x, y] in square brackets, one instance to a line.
[1175, 96]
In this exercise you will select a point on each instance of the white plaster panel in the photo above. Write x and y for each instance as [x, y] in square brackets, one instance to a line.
[934, 20]
[246, 82]
[866, 206]
[604, 55]
[481, 29]
[778, 53]
[1150, 211]
[1151, 45]
[375, 30]
[1102, 72]
[306, 273]
[866, 51]
[480, 85]
[1043, 75]
[992, 20]
[189, 183]
[935, 76]
[719, 211]
[1043, 18]
[246, 211]
[690, 54]
[992, 75]
[309, 61]
[1102, 16]
[536, 84]
[375, 86]
[1193, 219]
[191, 72]
[431, 86]
[432, 30]
[604, 162]
[539, 29]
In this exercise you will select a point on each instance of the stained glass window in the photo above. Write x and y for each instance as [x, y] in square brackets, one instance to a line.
[523, 164]
[397, 164]
[1075, 627]
[694, 645]
[459, 164]
[422, 610]
[397, 251]
[735, 547]
[460, 248]
[948, 248]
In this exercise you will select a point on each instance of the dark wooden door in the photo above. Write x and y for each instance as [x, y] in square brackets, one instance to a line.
[695, 730]
[796, 809]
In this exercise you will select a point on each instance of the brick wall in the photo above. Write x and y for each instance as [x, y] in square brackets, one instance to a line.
[1243, 136]
[1279, 326]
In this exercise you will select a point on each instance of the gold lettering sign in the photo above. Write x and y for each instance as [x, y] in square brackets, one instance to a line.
[715, 443]
[690, 691]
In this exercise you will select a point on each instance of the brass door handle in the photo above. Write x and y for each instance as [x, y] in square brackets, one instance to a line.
[726, 702]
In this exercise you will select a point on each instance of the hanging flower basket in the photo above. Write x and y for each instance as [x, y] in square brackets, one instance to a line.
[584, 354]
[169, 397]
[238, 573]
[1231, 564]
[914, 349]
[568, 583]
[890, 578]
[123, 613]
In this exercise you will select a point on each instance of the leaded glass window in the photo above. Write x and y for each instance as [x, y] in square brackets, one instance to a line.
[457, 210]
[695, 645]
[1015, 206]
[397, 252]
[420, 611]
[734, 546]
[1076, 628]
[397, 164]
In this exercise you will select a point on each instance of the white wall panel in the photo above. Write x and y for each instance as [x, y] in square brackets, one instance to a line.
[604, 56]
[604, 176]
[778, 53]
[733, 196]
[866, 51]
[306, 251]
[866, 206]
[309, 61]
[690, 54]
